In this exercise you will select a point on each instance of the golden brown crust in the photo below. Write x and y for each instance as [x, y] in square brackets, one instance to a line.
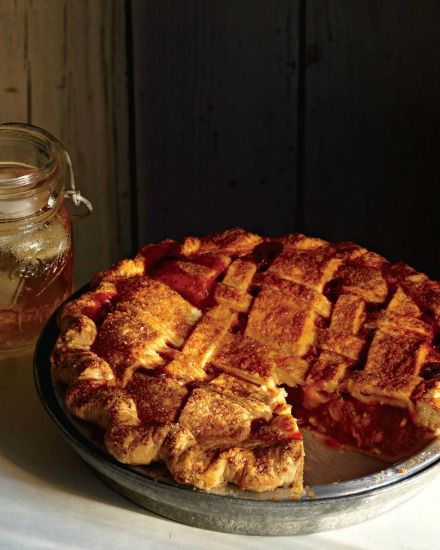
[234, 242]
[190, 364]
[179, 355]
[309, 267]
[427, 399]
[283, 320]
[164, 308]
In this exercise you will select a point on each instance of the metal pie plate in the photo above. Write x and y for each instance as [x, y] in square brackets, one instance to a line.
[342, 487]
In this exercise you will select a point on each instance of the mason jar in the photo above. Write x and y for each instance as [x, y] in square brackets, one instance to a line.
[36, 271]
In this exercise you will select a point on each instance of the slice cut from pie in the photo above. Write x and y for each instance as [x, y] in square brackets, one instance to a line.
[194, 353]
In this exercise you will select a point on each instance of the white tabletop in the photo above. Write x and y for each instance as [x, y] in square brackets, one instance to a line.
[49, 498]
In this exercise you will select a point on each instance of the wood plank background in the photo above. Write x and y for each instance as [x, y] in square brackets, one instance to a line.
[373, 126]
[216, 86]
[63, 67]
[188, 116]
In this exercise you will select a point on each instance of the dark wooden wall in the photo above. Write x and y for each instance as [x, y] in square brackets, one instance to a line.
[373, 126]
[216, 106]
[189, 116]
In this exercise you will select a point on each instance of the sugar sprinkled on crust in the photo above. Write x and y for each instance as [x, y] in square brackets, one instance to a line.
[179, 354]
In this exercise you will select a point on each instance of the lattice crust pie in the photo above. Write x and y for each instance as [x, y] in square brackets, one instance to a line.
[193, 353]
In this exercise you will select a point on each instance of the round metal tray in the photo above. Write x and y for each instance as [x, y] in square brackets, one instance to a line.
[344, 487]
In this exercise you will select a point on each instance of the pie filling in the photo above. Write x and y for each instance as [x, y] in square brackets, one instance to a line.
[205, 354]
[344, 422]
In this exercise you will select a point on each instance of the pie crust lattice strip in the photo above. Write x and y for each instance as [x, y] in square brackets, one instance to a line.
[193, 353]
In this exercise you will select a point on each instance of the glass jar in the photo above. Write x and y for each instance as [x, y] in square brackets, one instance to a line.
[36, 270]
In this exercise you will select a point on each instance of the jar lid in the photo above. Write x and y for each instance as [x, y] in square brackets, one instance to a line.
[33, 164]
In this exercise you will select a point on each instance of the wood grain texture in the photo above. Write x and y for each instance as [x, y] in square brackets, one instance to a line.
[182, 116]
[372, 126]
[63, 67]
[14, 63]
[216, 91]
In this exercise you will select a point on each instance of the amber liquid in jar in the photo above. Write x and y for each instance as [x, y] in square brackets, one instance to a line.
[35, 267]
[33, 281]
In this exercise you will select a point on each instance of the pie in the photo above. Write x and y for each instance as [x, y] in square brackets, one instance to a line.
[196, 353]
